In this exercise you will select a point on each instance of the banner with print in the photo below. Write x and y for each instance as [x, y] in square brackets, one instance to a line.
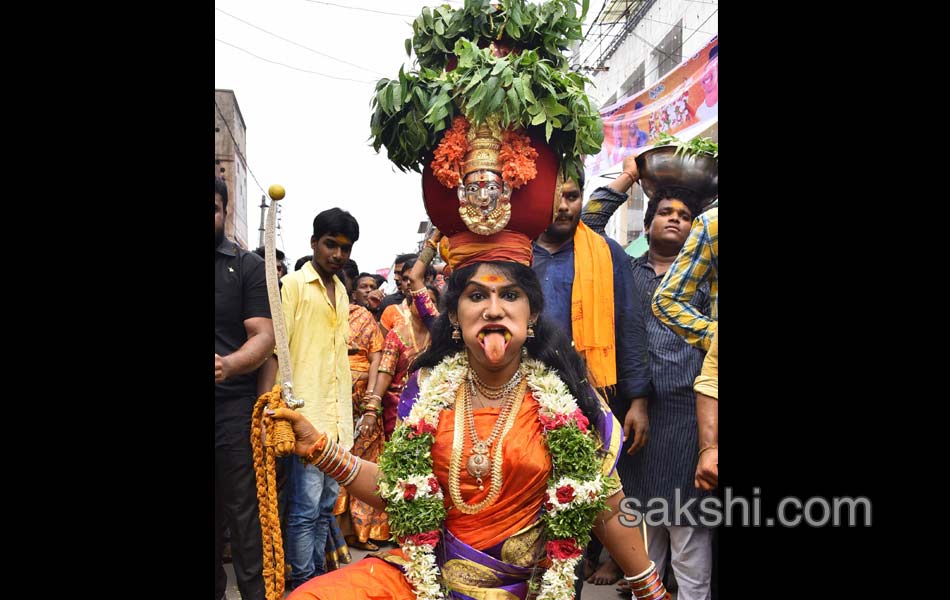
[684, 97]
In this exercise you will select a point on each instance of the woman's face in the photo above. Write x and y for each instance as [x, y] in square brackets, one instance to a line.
[493, 313]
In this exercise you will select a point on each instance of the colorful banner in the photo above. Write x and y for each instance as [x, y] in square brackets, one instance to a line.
[686, 96]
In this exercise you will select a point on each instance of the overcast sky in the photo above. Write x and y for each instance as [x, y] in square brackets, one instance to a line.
[310, 133]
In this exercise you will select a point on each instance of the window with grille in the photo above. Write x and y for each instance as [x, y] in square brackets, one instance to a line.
[635, 82]
[669, 52]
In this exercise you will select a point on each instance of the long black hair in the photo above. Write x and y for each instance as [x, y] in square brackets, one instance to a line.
[549, 345]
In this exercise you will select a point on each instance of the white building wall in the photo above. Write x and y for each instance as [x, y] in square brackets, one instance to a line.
[700, 23]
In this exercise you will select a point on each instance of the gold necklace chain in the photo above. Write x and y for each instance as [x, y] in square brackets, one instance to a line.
[493, 393]
[455, 464]
[477, 464]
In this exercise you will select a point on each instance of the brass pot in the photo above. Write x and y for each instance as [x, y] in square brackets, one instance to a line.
[659, 169]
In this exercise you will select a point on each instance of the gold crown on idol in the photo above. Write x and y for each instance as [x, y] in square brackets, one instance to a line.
[484, 143]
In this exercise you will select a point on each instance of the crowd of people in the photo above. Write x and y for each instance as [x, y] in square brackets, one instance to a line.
[640, 328]
[482, 431]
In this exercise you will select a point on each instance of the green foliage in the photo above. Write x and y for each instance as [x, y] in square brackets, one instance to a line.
[576, 453]
[418, 516]
[576, 522]
[531, 88]
[549, 27]
[576, 458]
[404, 455]
[693, 147]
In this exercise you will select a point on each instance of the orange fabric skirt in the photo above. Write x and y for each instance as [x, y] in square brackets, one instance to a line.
[367, 579]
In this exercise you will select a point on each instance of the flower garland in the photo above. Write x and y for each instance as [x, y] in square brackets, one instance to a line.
[575, 494]
[447, 158]
[517, 158]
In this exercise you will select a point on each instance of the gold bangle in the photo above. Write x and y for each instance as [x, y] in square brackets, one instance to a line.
[427, 254]
[709, 447]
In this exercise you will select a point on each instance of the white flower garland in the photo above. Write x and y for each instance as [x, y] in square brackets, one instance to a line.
[557, 408]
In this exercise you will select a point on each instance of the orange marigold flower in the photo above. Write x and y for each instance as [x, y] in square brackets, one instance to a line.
[517, 159]
[447, 159]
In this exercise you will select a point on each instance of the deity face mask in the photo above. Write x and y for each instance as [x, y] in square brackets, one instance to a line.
[484, 202]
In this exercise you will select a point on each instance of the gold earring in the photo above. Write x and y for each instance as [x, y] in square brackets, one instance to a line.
[456, 332]
[530, 330]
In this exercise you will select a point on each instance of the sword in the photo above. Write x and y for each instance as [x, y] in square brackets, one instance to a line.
[285, 376]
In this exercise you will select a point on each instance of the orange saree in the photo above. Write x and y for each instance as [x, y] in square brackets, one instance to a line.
[526, 467]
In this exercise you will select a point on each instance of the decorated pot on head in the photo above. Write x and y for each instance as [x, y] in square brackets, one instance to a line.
[490, 191]
[494, 120]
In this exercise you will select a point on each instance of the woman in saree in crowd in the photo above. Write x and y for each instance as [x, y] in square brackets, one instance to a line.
[403, 344]
[503, 463]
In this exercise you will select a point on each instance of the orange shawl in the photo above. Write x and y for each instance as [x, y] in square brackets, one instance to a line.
[592, 306]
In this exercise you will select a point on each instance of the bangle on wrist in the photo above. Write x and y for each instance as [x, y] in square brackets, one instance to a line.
[427, 254]
[316, 451]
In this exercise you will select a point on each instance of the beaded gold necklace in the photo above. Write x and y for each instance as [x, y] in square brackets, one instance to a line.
[477, 464]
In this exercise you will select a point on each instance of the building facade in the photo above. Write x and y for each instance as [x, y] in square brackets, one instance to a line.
[229, 152]
[630, 46]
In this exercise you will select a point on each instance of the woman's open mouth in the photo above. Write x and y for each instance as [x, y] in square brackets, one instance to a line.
[494, 340]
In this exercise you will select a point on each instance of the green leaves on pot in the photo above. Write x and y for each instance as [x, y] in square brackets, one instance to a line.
[531, 88]
[408, 115]
[549, 27]
[691, 148]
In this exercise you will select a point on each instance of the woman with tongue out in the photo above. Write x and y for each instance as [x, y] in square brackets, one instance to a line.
[503, 464]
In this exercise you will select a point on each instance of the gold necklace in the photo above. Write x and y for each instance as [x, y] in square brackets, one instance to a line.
[490, 392]
[455, 464]
[477, 464]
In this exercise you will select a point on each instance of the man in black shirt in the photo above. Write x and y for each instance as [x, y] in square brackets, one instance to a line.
[243, 340]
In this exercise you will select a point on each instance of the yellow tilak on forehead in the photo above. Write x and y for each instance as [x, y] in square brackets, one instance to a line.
[678, 204]
[342, 240]
[490, 278]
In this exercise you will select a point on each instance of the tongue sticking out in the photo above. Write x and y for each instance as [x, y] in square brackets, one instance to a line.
[495, 344]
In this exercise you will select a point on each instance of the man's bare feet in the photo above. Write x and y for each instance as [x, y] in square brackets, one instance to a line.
[589, 566]
[608, 573]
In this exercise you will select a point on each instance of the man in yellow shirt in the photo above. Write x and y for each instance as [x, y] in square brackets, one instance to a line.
[316, 312]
